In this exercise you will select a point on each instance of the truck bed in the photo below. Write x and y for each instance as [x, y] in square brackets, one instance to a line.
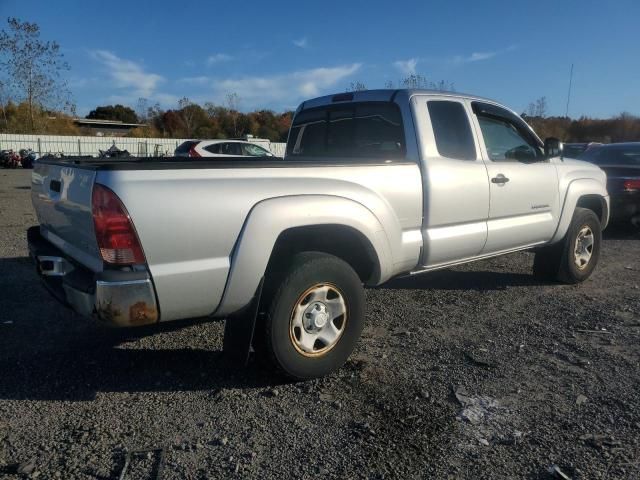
[174, 163]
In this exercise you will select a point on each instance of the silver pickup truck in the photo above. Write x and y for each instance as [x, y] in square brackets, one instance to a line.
[374, 185]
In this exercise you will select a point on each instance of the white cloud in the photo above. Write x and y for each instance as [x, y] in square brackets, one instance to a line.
[480, 56]
[284, 87]
[200, 80]
[302, 42]
[127, 74]
[218, 58]
[407, 67]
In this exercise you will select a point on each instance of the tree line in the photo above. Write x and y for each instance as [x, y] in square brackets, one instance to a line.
[35, 98]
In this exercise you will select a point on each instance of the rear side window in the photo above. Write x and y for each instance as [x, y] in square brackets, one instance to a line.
[214, 148]
[231, 148]
[353, 130]
[452, 130]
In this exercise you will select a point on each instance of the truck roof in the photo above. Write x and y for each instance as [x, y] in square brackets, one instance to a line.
[385, 95]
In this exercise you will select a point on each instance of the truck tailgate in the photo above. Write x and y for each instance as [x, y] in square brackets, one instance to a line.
[61, 196]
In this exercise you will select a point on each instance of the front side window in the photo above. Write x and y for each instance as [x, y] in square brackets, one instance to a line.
[452, 130]
[506, 136]
[254, 150]
[353, 130]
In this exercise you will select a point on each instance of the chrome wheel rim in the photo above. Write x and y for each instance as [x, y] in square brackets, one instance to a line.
[318, 320]
[584, 247]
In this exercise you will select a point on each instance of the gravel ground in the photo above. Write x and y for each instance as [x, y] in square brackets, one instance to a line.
[475, 372]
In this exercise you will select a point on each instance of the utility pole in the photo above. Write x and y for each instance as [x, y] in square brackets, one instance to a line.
[566, 113]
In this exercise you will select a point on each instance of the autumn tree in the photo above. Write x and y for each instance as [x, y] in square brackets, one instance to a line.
[114, 112]
[193, 117]
[32, 69]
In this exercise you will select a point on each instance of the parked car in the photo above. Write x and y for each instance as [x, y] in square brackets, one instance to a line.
[221, 148]
[621, 163]
[574, 150]
[374, 184]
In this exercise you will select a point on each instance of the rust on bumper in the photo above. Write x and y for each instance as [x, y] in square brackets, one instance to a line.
[128, 303]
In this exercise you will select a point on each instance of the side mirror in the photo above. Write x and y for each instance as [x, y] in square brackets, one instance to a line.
[553, 147]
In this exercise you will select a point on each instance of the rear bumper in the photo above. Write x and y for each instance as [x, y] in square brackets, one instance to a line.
[122, 298]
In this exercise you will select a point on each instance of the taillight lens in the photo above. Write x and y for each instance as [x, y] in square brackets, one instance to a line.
[115, 233]
[193, 152]
[631, 185]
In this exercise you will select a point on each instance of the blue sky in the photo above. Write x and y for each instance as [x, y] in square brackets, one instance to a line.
[276, 54]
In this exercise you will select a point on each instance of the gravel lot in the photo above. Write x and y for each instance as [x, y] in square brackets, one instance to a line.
[476, 372]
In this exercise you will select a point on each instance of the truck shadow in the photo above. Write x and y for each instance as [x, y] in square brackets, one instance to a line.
[49, 353]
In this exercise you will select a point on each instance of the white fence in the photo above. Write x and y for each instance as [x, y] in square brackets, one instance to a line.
[85, 145]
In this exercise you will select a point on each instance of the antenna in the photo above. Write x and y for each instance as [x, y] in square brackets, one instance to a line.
[566, 113]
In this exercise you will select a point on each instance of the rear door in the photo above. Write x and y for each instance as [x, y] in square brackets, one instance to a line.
[525, 205]
[454, 177]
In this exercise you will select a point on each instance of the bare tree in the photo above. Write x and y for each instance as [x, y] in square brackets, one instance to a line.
[32, 67]
[188, 112]
[389, 84]
[142, 109]
[356, 86]
[3, 101]
[541, 107]
[233, 103]
[415, 80]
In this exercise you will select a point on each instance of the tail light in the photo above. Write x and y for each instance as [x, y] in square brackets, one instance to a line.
[193, 152]
[115, 233]
[632, 185]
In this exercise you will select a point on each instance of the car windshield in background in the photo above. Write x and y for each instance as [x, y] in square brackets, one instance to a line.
[622, 154]
[574, 150]
[372, 129]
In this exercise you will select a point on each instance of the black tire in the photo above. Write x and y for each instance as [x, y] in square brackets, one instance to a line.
[307, 271]
[557, 262]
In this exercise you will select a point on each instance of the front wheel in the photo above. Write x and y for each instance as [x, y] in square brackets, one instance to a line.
[574, 259]
[316, 316]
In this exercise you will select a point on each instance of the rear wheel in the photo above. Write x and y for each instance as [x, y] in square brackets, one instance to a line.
[315, 316]
[574, 259]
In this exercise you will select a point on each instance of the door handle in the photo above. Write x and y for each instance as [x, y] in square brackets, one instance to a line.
[500, 179]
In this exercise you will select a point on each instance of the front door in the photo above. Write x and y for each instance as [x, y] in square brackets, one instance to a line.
[524, 204]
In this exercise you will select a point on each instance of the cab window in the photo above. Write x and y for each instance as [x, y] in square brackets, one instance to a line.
[506, 136]
[348, 131]
[452, 130]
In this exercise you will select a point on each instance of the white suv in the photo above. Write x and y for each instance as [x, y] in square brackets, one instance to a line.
[221, 148]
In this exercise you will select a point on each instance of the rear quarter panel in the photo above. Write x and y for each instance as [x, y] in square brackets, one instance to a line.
[189, 220]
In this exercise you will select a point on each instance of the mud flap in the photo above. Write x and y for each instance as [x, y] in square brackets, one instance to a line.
[239, 329]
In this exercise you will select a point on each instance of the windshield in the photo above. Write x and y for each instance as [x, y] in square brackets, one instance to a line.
[614, 155]
[573, 150]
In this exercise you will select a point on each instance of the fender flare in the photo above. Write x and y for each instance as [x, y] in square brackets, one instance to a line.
[576, 189]
[269, 218]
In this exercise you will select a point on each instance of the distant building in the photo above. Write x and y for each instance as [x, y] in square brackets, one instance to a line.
[106, 128]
